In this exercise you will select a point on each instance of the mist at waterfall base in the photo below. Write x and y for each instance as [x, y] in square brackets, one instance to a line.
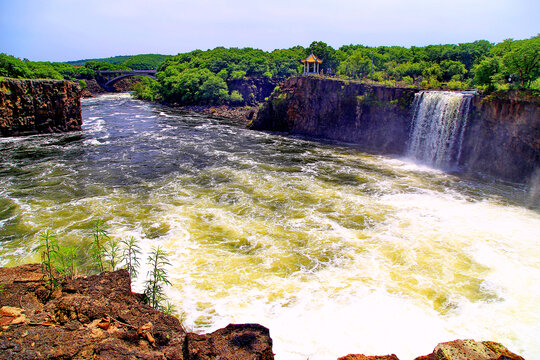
[334, 250]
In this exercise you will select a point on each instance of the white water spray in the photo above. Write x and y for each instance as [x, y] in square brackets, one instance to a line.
[439, 122]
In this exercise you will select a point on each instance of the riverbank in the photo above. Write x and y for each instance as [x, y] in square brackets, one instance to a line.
[99, 317]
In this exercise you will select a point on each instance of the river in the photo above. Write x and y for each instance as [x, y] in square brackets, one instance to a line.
[334, 250]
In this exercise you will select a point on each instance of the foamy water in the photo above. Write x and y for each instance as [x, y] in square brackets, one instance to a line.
[333, 250]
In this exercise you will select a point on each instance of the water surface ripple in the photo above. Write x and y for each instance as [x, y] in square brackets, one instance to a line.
[334, 250]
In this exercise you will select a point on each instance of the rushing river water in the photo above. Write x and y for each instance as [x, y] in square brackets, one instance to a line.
[334, 250]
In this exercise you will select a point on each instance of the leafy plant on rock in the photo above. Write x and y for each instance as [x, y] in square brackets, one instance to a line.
[100, 235]
[157, 277]
[131, 255]
[48, 249]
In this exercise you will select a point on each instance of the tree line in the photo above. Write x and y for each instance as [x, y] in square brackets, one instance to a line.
[200, 77]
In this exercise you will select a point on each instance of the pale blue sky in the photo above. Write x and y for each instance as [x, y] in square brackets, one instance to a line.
[61, 30]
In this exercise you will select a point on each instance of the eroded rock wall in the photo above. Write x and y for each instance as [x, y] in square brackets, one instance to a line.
[503, 137]
[374, 117]
[39, 106]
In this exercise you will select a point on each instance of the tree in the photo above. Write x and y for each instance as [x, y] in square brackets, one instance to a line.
[524, 59]
[355, 66]
[11, 66]
[324, 52]
[485, 71]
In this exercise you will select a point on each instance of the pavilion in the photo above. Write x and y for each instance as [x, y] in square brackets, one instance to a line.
[311, 62]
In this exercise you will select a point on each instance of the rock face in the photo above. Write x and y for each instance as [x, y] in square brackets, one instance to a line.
[39, 106]
[98, 317]
[376, 118]
[470, 350]
[253, 90]
[502, 138]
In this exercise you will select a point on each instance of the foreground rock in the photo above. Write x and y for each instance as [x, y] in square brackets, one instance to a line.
[470, 350]
[455, 350]
[98, 317]
[30, 107]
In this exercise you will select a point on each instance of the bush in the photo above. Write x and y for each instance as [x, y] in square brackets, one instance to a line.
[236, 98]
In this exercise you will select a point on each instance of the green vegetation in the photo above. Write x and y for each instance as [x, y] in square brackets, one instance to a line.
[100, 236]
[200, 77]
[59, 262]
[48, 250]
[131, 255]
[135, 62]
[157, 278]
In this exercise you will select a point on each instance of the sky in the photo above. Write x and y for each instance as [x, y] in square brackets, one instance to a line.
[63, 30]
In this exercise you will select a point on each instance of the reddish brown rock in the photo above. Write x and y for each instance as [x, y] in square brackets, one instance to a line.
[365, 357]
[234, 342]
[99, 317]
[470, 350]
[39, 106]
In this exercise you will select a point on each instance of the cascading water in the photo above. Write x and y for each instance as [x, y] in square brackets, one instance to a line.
[439, 122]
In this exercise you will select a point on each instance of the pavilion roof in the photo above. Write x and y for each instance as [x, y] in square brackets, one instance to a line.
[312, 59]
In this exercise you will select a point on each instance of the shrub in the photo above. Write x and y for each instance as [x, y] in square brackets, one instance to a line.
[236, 97]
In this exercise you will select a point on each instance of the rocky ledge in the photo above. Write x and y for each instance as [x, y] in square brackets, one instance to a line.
[99, 317]
[30, 107]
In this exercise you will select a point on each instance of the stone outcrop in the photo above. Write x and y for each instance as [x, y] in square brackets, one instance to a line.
[370, 357]
[470, 350]
[454, 350]
[502, 138]
[99, 317]
[39, 106]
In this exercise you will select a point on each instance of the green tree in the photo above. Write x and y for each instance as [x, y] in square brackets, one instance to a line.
[485, 71]
[356, 65]
[324, 52]
[523, 59]
[11, 66]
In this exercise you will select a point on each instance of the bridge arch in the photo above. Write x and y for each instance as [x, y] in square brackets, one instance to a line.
[107, 78]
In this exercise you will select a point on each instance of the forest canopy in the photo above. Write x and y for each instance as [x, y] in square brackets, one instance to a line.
[200, 77]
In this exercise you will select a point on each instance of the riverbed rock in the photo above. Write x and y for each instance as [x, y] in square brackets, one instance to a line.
[470, 350]
[99, 317]
[30, 107]
[366, 357]
[244, 341]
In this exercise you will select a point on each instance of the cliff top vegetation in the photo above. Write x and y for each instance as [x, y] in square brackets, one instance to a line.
[200, 77]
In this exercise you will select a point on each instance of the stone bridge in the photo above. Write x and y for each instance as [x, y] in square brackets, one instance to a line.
[106, 78]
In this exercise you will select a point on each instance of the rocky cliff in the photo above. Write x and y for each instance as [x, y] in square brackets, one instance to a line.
[374, 117]
[39, 106]
[502, 138]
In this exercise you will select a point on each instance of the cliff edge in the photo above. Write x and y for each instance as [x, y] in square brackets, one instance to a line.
[29, 107]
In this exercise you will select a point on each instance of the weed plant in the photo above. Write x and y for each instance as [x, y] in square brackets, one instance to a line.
[100, 235]
[157, 278]
[131, 255]
[48, 249]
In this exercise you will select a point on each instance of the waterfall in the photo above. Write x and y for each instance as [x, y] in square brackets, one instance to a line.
[439, 122]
